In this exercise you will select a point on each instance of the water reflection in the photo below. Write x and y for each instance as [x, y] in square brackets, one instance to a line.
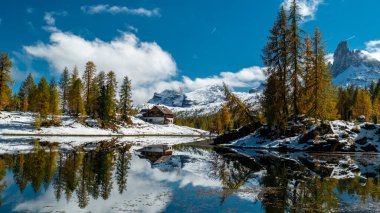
[110, 176]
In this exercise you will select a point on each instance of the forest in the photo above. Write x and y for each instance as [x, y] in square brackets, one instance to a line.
[93, 95]
[299, 83]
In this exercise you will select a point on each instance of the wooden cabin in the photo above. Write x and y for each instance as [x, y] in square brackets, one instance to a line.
[159, 115]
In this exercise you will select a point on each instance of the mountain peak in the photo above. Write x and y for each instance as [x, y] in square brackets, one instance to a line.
[343, 58]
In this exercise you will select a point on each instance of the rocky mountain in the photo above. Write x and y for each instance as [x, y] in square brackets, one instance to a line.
[202, 101]
[354, 66]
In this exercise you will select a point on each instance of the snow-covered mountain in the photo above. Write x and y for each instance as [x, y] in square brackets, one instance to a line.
[203, 101]
[355, 67]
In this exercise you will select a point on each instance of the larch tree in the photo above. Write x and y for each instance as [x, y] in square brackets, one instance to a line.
[54, 98]
[89, 93]
[308, 61]
[295, 57]
[126, 99]
[5, 80]
[276, 59]
[323, 101]
[43, 98]
[363, 105]
[64, 85]
[226, 118]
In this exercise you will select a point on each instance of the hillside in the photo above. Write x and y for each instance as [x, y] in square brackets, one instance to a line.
[354, 67]
[203, 101]
[19, 123]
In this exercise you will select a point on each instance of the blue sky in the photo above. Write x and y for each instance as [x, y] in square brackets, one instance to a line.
[168, 44]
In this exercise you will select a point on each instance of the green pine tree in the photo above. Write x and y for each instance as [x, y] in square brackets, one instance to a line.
[43, 98]
[126, 99]
[64, 85]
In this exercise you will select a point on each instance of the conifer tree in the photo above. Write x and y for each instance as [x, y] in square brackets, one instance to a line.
[76, 104]
[226, 118]
[362, 104]
[64, 85]
[54, 98]
[125, 99]
[5, 80]
[276, 59]
[88, 85]
[27, 92]
[323, 101]
[295, 57]
[308, 61]
[43, 98]
[111, 86]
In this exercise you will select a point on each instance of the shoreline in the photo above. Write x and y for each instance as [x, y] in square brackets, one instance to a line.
[105, 135]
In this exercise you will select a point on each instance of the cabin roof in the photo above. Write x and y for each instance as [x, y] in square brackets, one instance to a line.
[164, 110]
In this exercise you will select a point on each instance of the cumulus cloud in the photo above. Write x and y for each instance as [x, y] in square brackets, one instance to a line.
[373, 49]
[151, 68]
[307, 8]
[145, 62]
[243, 78]
[105, 8]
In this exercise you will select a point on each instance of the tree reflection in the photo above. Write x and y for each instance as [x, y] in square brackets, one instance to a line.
[85, 173]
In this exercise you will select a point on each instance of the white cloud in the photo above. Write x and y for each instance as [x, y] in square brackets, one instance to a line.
[372, 49]
[50, 20]
[145, 62]
[307, 8]
[242, 79]
[105, 8]
[151, 68]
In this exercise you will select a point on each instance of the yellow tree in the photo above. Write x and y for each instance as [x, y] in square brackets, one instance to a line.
[226, 118]
[319, 89]
[5, 80]
[362, 105]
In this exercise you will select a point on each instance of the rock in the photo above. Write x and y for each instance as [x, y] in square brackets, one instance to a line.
[368, 126]
[361, 141]
[369, 148]
[345, 58]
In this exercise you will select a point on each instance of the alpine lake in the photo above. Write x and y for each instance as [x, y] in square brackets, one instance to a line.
[115, 177]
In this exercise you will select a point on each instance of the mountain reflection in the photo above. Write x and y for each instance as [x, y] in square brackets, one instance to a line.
[273, 182]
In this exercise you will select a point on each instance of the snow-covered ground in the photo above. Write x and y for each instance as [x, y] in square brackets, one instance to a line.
[346, 135]
[18, 123]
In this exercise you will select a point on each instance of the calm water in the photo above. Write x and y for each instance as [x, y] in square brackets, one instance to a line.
[115, 178]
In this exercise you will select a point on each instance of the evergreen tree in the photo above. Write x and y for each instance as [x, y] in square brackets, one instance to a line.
[111, 85]
[88, 86]
[54, 99]
[64, 85]
[125, 99]
[43, 98]
[295, 57]
[76, 105]
[27, 92]
[5, 80]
